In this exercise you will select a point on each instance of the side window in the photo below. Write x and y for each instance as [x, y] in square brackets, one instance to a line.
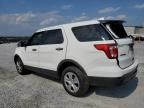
[52, 37]
[91, 33]
[36, 38]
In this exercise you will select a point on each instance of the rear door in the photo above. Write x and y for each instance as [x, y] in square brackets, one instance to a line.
[126, 53]
[52, 49]
[125, 44]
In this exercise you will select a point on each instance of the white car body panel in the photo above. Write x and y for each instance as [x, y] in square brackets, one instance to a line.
[49, 56]
[125, 52]
[94, 62]
[32, 57]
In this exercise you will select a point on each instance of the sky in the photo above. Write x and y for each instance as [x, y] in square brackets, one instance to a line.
[23, 17]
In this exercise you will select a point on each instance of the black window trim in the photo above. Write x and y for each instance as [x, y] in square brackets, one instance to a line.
[117, 35]
[114, 37]
[88, 25]
[54, 43]
[29, 41]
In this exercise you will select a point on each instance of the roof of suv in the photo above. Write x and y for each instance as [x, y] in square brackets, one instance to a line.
[80, 23]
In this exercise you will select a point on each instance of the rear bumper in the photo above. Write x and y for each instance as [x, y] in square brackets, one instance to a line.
[112, 81]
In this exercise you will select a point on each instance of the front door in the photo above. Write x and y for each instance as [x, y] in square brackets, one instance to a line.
[32, 51]
[52, 49]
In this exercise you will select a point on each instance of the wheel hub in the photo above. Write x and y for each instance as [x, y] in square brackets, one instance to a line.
[19, 67]
[71, 82]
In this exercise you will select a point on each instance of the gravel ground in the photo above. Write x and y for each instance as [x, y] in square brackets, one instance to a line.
[33, 91]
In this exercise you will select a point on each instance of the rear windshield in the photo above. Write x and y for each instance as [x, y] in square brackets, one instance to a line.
[91, 33]
[117, 30]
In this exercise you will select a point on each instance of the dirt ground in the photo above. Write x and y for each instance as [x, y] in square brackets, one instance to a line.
[34, 91]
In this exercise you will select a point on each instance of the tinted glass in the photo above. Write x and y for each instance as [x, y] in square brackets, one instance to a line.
[91, 33]
[52, 37]
[36, 38]
[119, 30]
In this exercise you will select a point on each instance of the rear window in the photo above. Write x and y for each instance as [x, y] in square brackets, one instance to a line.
[91, 33]
[118, 30]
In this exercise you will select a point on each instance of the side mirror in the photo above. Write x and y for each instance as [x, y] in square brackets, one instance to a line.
[22, 44]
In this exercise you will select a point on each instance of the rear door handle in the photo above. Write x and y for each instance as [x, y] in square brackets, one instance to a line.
[58, 49]
[34, 49]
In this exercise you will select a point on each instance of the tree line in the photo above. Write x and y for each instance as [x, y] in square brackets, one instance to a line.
[12, 39]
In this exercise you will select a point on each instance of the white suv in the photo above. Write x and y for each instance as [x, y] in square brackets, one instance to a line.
[81, 54]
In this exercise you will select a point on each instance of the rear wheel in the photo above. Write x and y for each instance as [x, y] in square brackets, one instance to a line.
[74, 81]
[20, 67]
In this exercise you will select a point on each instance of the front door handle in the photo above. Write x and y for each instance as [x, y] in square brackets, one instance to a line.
[58, 49]
[34, 49]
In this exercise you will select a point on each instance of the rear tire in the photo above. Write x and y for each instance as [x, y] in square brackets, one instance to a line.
[20, 67]
[75, 81]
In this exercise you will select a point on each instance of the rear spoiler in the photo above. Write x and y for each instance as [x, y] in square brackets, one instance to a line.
[111, 21]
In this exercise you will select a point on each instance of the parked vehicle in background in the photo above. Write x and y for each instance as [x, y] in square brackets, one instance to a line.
[138, 37]
[81, 54]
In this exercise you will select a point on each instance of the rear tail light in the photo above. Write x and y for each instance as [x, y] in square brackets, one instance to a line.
[110, 50]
